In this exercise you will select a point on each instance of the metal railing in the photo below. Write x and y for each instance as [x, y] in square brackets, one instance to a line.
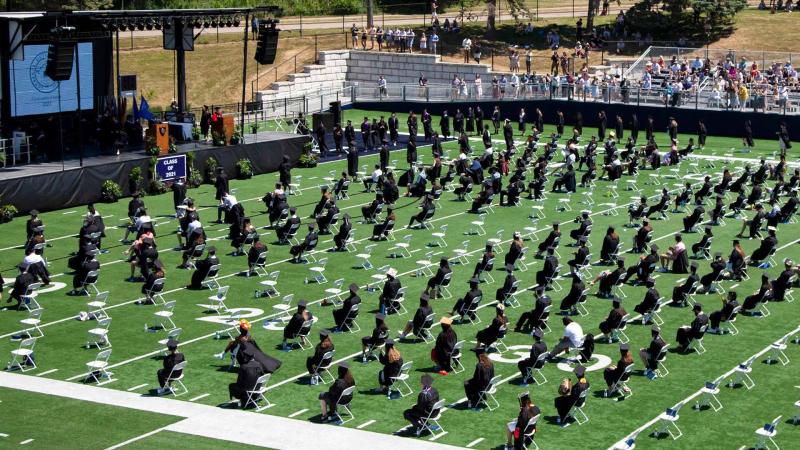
[541, 90]
[15, 150]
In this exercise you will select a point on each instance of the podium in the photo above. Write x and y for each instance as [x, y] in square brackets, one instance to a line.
[225, 127]
[159, 133]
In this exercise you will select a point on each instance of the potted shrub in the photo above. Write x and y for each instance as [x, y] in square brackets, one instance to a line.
[173, 147]
[110, 191]
[308, 158]
[195, 133]
[135, 179]
[254, 128]
[211, 169]
[195, 178]
[244, 168]
[236, 138]
[7, 213]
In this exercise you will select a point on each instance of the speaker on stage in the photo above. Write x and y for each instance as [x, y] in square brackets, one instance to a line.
[60, 56]
[267, 46]
[336, 110]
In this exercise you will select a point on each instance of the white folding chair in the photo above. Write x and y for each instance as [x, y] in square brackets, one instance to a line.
[173, 379]
[461, 254]
[403, 247]
[741, 375]
[709, 396]
[164, 316]
[398, 302]
[350, 320]
[621, 384]
[455, 357]
[22, 357]
[768, 433]
[668, 422]
[662, 371]
[729, 325]
[255, 396]
[424, 266]
[32, 323]
[697, 343]
[301, 338]
[284, 308]
[260, 266]
[344, 406]
[365, 256]
[218, 300]
[439, 237]
[317, 273]
[576, 412]
[335, 292]
[487, 397]
[431, 424]
[528, 436]
[90, 281]
[534, 372]
[29, 298]
[270, 288]
[96, 307]
[400, 382]
[350, 241]
[497, 241]
[323, 368]
[618, 333]
[211, 280]
[485, 275]
[154, 293]
[777, 351]
[98, 368]
[98, 336]
[477, 226]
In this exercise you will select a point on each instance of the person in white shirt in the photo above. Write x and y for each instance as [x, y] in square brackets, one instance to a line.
[478, 89]
[466, 45]
[374, 179]
[514, 84]
[573, 337]
[193, 225]
[30, 259]
[382, 86]
[228, 201]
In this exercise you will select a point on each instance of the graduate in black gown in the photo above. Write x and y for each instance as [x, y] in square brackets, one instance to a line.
[532, 361]
[483, 374]
[496, 329]
[520, 433]
[333, 397]
[426, 400]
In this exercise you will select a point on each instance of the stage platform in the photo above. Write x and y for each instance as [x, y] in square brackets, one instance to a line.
[47, 186]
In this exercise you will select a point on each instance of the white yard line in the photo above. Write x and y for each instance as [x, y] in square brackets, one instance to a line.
[475, 442]
[26, 442]
[46, 372]
[137, 438]
[137, 387]
[365, 424]
[297, 413]
[198, 397]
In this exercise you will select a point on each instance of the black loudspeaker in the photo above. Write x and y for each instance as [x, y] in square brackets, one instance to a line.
[267, 44]
[326, 118]
[336, 110]
[60, 56]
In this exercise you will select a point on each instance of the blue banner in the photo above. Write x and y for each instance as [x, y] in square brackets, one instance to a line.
[171, 167]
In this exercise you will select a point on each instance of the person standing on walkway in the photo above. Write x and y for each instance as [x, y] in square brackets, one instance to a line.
[354, 35]
[254, 26]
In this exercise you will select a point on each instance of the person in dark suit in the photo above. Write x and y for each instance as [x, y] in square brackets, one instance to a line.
[549, 241]
[295, 324]
[203, 268]
[340, 239]
[613, 320]
[650, 354]
[549, 269]
[339, 315]
[173, 358]
[650, 299]
[309, 243]
[420, 320]
[781, 284]
[717, 266]
[608, 279]
[423, 408]
[443, 349]
[519, 433]
[483, 374]
[221, 185]
[464, 306]
[333, 397]
[318, 359]
[532, 361]
[378, 337]
[697, 215]
[438, 278]
[729, 304]
[572, 397]
[392, 362]
[89, 265]
[505, 291]
[390, 289]
[645, 267]
[573, 296]
[681, 291]
[536, 317]
[250, 371]
[496, 329]
[686, 334]
[34, 226]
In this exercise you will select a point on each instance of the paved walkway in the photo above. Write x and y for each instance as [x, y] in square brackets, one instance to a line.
[220, 423]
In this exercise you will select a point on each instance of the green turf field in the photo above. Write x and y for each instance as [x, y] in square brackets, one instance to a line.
[61, 353]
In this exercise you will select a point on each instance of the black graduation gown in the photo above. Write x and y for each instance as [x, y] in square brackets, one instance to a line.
[444, 125]
[443, 348]
[426, 399]
[479, 381]
[681, 263]
[249, 373]
[490, 334]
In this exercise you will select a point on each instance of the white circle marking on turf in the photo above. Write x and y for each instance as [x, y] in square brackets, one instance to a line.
[225, 319]
[53, 286]
[603, 361]
[524, 351]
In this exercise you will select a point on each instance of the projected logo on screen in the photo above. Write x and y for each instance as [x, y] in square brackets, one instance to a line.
[39, 80]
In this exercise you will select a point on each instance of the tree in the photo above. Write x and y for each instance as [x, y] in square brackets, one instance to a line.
[59, 5]
[370, 14]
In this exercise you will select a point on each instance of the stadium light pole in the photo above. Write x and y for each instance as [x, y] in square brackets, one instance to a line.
[244, 72]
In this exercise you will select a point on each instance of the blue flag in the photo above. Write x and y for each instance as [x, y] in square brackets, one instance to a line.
[144, 111]
[135, 110]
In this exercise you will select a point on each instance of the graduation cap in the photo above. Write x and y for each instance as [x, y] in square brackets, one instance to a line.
[390, 342]
[580, 371]
[172, 344]
[323, 334]
[344, 365]
[538, 289]
[718, 255]
[524, 396]
[555, 224]
[645, 220]
[537, 333]
[353, 288]
[244, 324]
[212, 249]
[583, 240]
[479, 350]
[302, 303]
[446, 321]
[656, 329]
[586, 212]
[651, 282]
[424, 297]
[380, 316]
[735, 242]
[34, 212]
[392, 272]
[694, 265]
[624, 347]
[426, 380]
[474, 281]
[697, 307]
[653, 247]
